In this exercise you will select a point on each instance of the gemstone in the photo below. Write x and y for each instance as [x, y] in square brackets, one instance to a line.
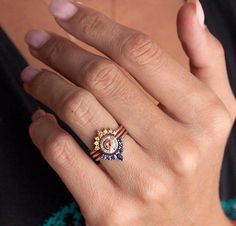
[105, 131]
[119, 156]
[100, 133]
[107, 157]
[113, 157]
[109, 144]
[121, 150]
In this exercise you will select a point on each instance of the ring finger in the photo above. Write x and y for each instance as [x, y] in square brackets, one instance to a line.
[109, 85]
[84, 114]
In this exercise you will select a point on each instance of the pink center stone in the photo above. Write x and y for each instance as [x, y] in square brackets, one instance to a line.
[108, 143]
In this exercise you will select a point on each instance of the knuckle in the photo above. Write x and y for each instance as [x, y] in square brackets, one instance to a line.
[57, 149]
[185, 158]
[216, 119]
[42, 79]
[77, 107]
[220, 121]
[54, 50]
[90, 23]
[142, 50]
[103, 77]
[150, 189]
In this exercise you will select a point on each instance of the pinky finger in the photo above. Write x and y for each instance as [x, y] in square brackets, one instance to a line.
[85, 180]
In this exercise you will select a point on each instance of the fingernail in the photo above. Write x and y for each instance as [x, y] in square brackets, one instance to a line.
[29, 73]
[200, 14]
[62, 9]
[37, 38]
[38, 114]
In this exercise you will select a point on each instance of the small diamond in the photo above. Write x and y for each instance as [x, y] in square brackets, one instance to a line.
[96, 143]
[100, 133]
[105, 131]
[97, 148]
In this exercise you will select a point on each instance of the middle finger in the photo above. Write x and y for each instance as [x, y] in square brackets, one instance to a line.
[121, 97]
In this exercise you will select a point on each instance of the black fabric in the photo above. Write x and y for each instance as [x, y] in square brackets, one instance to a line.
[29, 189]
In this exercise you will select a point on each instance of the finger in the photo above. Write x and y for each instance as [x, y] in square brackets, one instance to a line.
[84, 179]
[107, 83]
[84, 115]
[205, 53]
[158, 73]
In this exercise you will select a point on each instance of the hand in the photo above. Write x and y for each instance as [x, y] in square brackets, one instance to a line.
[173, 151]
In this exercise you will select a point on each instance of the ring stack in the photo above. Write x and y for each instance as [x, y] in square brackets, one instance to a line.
[108, 144]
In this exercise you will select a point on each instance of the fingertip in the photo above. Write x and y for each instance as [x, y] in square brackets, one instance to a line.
[193, 34]
[187, 22]
[38, 114]
[29, 73]
[36, 38]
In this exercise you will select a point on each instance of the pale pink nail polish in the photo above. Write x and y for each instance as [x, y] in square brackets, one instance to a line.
[63, 9]
[38, 114]
[200, 14]
[37, 38]
[29, 73]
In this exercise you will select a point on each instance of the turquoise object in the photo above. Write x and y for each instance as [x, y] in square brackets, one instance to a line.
[72, 210]
[60, 218]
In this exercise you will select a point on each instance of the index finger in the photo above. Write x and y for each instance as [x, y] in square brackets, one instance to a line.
[168, 82]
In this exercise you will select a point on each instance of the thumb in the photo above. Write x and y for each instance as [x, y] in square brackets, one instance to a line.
[205, 52]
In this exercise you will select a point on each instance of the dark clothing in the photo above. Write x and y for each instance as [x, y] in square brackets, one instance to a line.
[30, 191]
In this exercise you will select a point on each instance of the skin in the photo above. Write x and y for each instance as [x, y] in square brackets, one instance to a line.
[166, 178]
[17, 21]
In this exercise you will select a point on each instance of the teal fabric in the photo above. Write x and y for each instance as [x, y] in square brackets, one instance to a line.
[60, 218]
[72, 210]
[230, 208]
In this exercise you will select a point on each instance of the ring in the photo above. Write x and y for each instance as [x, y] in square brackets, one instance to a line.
[108, 144]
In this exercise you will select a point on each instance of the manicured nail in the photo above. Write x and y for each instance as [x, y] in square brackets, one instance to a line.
[38, 114]
[37, 38]
[63, 9]
[29, 73]
[200, 14]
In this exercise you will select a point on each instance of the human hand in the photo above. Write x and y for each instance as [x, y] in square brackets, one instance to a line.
[173, 151]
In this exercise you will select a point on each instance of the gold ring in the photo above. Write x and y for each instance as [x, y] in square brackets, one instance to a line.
[108, 144]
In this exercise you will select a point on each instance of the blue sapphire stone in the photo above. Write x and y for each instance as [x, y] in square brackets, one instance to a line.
[113, 157]
[121, 150]
[119, 156]
[107, 157]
